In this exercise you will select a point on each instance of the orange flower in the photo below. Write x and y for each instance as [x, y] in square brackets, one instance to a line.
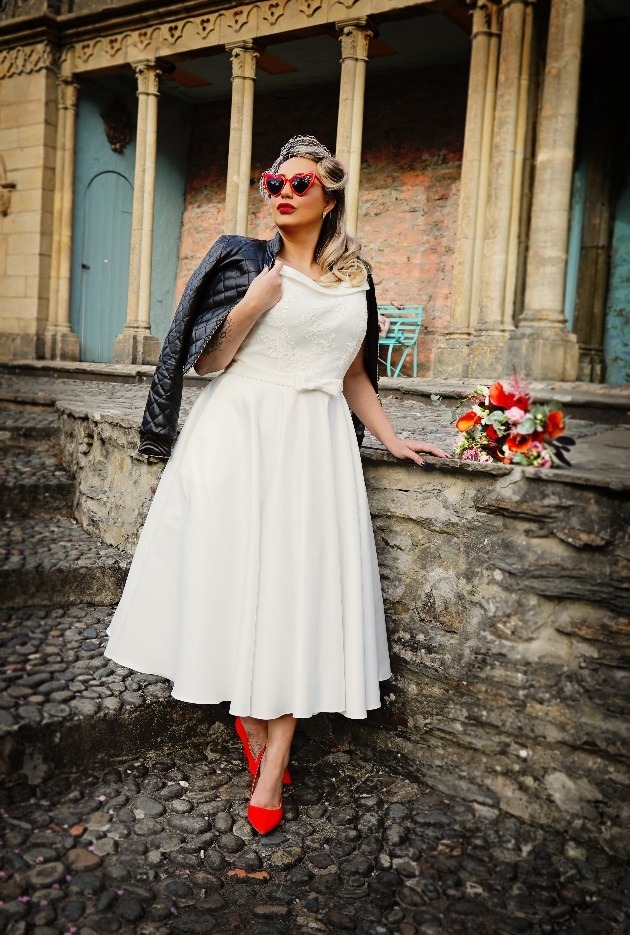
[555, 425]
[519, 442]
[499, 397]
[467, 421]
[491, 432]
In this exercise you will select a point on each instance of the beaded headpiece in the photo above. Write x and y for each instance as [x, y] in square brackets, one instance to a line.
[291, 148]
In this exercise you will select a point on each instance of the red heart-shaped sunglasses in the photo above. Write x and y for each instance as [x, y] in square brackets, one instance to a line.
[300, 183]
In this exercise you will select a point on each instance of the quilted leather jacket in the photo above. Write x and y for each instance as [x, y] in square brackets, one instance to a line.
[217, 285]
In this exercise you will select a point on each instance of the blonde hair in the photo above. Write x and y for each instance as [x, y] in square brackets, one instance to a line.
[336, 251]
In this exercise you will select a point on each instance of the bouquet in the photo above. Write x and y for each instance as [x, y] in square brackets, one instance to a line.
[501, 424]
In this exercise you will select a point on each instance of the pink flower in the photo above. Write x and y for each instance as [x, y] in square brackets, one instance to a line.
[544, 463]
[24, 899]
[536, 446]
[471, 454]
[515, 414]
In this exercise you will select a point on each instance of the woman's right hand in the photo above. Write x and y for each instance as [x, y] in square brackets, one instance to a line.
[265, 290]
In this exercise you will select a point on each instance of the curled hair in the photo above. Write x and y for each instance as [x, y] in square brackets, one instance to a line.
[336, 251]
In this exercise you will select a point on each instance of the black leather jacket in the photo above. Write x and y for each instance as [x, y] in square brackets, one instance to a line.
[217, 285]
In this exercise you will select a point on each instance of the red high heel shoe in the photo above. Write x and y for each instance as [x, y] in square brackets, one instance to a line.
[262, 819]
[251, 762]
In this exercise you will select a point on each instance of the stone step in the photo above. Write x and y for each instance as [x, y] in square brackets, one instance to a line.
[33, 484]
[57, 563]
[29, 428]
[62, 701]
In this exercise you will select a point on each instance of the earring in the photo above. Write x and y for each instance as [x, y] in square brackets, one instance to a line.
[323, 215]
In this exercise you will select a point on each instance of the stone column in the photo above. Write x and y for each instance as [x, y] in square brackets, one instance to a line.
[244, 55]
[523, 128]
[545, 347]
[494, 321]
[451, 354]
[354, 36]
[136, 344]
[60, 343]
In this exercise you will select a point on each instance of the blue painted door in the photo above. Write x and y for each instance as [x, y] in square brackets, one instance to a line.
[104, 264]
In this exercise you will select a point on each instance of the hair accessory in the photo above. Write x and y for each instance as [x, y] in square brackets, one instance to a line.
[292, 148]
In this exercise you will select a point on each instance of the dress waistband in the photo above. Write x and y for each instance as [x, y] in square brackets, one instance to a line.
[299, 381]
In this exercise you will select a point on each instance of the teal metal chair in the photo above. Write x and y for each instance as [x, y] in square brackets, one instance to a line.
[404, 330]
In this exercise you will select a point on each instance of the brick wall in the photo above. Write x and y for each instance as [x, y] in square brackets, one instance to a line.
[413, 137]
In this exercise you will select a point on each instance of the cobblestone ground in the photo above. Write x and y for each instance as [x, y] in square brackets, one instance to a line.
[162, 844]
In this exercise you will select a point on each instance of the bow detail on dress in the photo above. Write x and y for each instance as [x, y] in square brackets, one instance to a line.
[332, 385]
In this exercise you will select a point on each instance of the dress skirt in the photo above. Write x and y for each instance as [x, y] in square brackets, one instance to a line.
[255, 579]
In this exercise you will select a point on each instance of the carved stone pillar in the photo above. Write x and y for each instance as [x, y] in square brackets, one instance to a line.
[136, 344]
[60, 343]
[354, 36]
[495, 319]
[244, 56]
[545, 347]
[451, 354]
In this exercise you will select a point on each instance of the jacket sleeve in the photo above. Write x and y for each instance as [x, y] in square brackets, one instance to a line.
[161, 414]
[370, 352]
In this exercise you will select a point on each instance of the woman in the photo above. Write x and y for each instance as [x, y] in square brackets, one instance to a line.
[255, 578]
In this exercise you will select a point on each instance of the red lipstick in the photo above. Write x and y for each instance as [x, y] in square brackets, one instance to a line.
[286, 208]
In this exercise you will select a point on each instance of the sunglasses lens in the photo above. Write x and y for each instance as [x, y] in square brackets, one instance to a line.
[300, 183]
[274, 184]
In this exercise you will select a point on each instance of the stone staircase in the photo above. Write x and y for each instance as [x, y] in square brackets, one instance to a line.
[125, 811]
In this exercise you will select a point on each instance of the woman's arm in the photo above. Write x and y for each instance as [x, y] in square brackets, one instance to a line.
[264, 291]
[364, 402]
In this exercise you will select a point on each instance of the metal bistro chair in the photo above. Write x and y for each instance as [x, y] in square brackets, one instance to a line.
[404, 329]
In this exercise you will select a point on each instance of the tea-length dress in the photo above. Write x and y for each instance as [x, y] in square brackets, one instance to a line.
[255, 578]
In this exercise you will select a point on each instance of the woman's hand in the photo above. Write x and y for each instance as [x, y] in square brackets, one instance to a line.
[265, 290]
[408, 448]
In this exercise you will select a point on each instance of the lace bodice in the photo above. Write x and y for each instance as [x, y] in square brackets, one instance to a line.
[316, 330]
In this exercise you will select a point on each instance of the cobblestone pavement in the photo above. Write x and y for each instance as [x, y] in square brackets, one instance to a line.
[162, 844]
[53, 667]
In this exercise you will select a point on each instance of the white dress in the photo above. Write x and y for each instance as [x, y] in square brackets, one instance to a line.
[255, 578]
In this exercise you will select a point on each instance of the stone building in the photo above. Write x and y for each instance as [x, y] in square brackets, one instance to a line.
[487, 143]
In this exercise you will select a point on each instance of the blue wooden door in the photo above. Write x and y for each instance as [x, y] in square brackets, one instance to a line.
[105, 264]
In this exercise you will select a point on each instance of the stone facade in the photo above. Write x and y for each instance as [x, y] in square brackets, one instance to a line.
[28, 120]
[461, 202]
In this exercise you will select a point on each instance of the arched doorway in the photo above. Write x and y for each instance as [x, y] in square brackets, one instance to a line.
[104, 264]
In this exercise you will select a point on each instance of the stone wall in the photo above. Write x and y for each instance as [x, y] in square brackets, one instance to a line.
[410, 181]
[28, 121]
[507, 599]
[506, 594]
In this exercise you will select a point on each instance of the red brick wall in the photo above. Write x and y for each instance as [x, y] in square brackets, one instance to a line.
[413, 136]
